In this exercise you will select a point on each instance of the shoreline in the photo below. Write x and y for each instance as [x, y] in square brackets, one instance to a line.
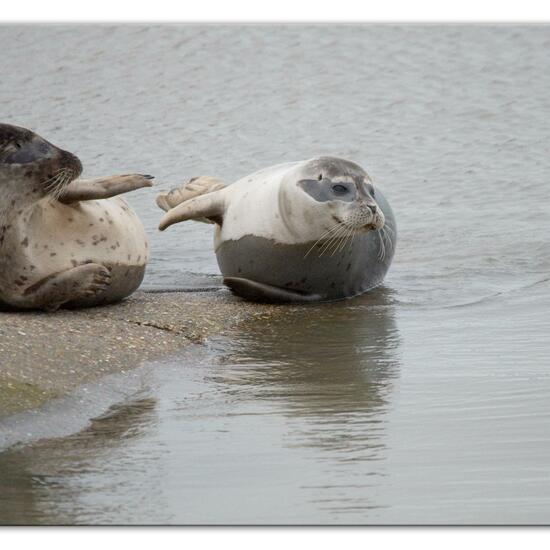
[47, 361]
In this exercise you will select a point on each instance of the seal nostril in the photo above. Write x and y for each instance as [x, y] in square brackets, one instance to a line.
[372, 207]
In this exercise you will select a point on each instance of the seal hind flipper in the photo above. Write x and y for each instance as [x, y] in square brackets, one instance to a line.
[51, 292]
[209, 206]
[103, 188]
[261, 292]
[189, 190]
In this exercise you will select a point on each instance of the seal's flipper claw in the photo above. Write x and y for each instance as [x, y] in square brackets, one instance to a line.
[261, 292]
[104, 188]
[189, 190]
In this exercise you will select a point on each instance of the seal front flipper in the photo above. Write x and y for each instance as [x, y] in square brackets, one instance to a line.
[210, 206]
[51, 292]
[103, 188]
[261, 292]
[189, 190]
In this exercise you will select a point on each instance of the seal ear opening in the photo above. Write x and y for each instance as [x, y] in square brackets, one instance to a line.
[210, 207]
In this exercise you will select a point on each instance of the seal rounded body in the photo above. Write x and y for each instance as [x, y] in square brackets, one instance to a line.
[314, 230]
[51, 237]
[64, 241]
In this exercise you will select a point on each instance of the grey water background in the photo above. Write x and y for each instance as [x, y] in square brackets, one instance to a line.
[425, 401]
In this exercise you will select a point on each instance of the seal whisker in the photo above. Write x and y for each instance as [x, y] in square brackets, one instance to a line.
[382, 252]
[53, 188]
[337, 234]
[389, 241]
[62, 181]
[351, 237]
[50, 182]
[324, 235]
[344, 240]
[342, 245]
[338, 242]
[69, 176]
[389, 228]
[329, 242]
[58, 182]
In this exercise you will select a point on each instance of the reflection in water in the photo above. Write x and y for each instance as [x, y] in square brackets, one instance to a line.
[41, 483]
[329, 366]
[328, 369]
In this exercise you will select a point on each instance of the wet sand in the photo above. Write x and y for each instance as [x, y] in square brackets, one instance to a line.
[44, 356]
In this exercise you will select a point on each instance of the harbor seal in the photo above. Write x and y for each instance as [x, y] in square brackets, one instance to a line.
[64, 241]
[314, 230]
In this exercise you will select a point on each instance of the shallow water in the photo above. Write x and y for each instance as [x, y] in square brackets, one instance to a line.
[425, 401]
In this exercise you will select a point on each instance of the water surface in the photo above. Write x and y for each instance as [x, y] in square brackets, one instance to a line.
[425, 401]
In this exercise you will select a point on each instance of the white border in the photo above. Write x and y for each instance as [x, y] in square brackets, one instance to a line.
[275, 11]
[271, 538]
[281, 11]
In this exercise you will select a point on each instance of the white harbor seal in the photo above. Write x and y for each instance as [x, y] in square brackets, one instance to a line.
[314, 230]
[64, 241]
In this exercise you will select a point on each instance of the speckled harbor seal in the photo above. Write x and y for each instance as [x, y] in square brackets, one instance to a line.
[64, 241]
[314, 230]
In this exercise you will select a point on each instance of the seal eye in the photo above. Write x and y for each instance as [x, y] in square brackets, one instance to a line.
[339, 189]
[320, 177]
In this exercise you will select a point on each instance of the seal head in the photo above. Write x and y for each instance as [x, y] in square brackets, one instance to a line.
[344, 192]
[26, 159]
